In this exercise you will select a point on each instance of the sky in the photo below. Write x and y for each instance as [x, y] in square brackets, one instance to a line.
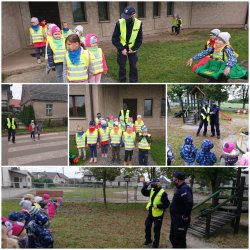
[16, 91]
[70, 172]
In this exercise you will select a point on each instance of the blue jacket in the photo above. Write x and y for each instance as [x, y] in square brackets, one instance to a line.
[216, 110]
[205, 157]
[182, 203]
[188, 153]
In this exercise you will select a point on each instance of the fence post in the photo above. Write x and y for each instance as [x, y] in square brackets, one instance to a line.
[208, 222]
[135, 193]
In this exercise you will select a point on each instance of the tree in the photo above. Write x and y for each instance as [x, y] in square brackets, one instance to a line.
[240, 92]
[27, 114]
[218, 92]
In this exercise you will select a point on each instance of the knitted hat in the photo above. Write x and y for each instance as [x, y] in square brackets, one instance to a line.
[50, 26]
[111, 117]
[26, 204]
[17, 228]
[224, 36]
[189, 140]
[116, 123]
[179, 175]
[138, 116]
[46, 196]
[91, 38]
[215, 32]
[55, 29]
[92, 123]
[103, 122]
[228, 147]
[79, 28]
[206, 145]
[37, 199]
[34, 20]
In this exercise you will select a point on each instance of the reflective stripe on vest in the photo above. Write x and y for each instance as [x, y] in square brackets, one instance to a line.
[66, 34]
[59, 51]
[96, 65]
[123, 31]
[11, 124]
[126, 115]
[143, 144]
[78, 72]
[92, 137]
[104, 134]
[138, 125]
[115, 138]
[156, 212]
[37, 37]
[129, 140]
[81, 140]
[207, 111]
[220, 55]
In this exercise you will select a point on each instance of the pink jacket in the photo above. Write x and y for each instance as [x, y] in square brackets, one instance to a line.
[51, 210]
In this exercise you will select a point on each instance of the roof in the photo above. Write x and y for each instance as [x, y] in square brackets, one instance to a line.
[88, 173]
[197, 89]
[15, 103]
[23, 172]
[44, 92]
[51, 175]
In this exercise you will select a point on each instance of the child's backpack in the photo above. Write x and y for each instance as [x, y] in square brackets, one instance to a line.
[73, 159]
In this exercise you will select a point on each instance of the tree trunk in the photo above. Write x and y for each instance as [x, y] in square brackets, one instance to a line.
[215, 183]
[104, 187]
[192, 182]
[168, 105]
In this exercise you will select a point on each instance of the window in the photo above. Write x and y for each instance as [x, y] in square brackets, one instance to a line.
[89, 178]
[148, 107]
[156, 9]
[79, 12]
[170, 8]
[122, 6]
[163, 107]
[141, 7]
[77, 106]
[103, 11]
[49, 108]
[29, 179]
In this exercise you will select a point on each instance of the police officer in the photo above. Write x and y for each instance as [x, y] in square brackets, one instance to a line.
[125, 113]
[127, 38]
[214, 119]
[205, 118]
[11, 126]
[157, 204]
[180, 211]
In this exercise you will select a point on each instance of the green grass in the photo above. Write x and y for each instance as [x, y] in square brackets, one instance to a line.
[25, 131]
[158, 151]
[166, 61]
[232, 105]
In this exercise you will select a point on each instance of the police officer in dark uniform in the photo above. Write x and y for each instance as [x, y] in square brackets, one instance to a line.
[214, 122]
[156, 207]
[180, 211]
[11, 126]
[127, 38]
[205, 118]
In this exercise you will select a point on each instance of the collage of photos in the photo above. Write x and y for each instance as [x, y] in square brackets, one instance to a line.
[125, 125]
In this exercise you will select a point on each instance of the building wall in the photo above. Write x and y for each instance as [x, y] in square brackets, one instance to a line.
[6, 179]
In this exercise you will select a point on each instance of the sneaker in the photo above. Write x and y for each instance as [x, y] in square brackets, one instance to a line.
[39, 61]
[147, 242]
[91, 160]
[95, 160]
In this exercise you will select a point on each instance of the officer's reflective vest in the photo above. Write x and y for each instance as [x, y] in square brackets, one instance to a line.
[138, 126]
[59, 50]
[123, 31]
[104, 134]
[37, 37]
[81, 140]
[11, 124]
[96, 64]
[92, 137]
[143, 144]
[115, 137]
[156, 212]
[125, 118]
[129, 140]
[66, 34]
[204, 116]
[78, 72]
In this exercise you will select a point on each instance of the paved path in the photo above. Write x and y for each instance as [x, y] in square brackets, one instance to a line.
[51, 150]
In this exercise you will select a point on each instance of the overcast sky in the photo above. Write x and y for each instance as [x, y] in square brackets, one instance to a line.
[16, 90]
[70, 171]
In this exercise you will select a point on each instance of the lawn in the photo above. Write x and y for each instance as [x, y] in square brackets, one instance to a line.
[90, 225]
[165, 61]
[229, 131]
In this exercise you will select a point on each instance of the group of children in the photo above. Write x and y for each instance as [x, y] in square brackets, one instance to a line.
[114, 133]
[74, 57]
[30, 227]
[218, 59]
[35, 128]
[192, 156]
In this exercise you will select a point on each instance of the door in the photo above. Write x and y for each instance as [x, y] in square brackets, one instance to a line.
[48, 10]
[16, 182]
[132, 106]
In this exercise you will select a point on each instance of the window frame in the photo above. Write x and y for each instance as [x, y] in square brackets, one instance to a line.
[159, 10]
[172, 9]
[49, 109]
[108, 13]
[148, 99]
[161, 115]
[85, 13]
[74, 107]
[144, 9]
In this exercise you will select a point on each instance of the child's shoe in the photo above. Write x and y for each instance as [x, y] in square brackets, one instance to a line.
[91, 160]
[95, 160]
[103, 155]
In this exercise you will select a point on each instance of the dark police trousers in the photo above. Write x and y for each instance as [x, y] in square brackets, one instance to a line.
[157, 228]
[11, 133]
[121, 60]
[178, 232]
[205, 123]
[215, 123]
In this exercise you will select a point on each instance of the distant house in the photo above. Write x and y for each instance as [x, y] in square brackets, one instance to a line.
[89, 177]
[56, 178]
[6, 96]
[15, 178]
[14, 105]
[49, 101]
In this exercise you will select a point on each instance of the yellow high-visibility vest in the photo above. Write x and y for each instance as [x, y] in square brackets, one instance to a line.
[95, 65]
[207, 111]
[81, 141]
[129, 140]
[37, 37]
[143, 144]
[138, 126]
[115, 137]
[92, 137]
[66, 34]
[123, 31]
[125, 118]
[156, 212]
[11, 124]
[59, 50]
[78, 72]
[104, 134]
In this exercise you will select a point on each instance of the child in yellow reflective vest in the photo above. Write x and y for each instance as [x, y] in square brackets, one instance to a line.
[174, 23]
[131, 123]
[79, 31]
[49, 36]
[138, 124]
[122, 124]
[104, 138]
[111, 121]
[37, 36]
[81, 142]
[97, 64]
[92, 137]
[76, 63]
[65, 30]
[129, 144]
[144, 141]
[115, 142]
[56, 53]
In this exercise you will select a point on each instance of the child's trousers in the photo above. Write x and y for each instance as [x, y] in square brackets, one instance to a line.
[104, 148]
[95, 78]
[128, 155]
[59, 72]
[93, 151]
[116, 152]
[82, 152]
[32, 135]
[37, 50]
[143, 157]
